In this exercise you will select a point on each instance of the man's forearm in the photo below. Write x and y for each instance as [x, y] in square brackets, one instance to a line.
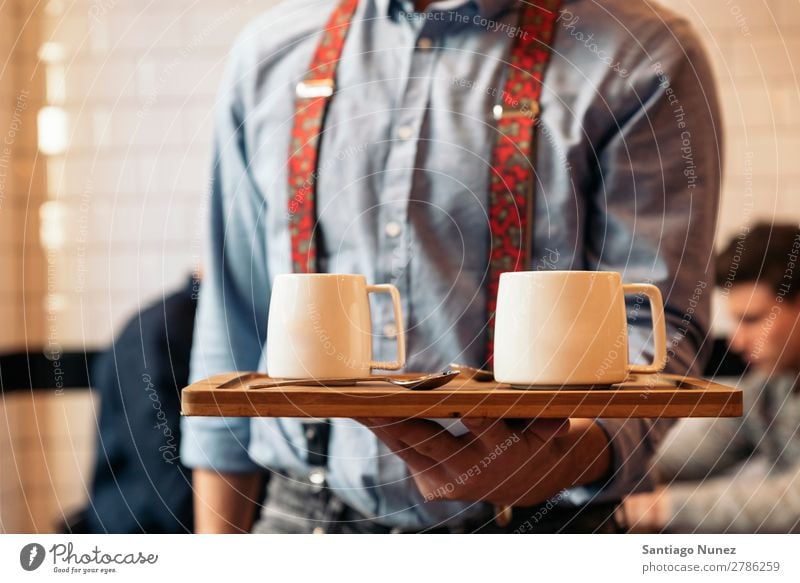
[224, 502]
[587, 453]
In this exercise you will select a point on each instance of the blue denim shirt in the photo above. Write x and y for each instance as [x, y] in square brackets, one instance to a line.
[627, 178]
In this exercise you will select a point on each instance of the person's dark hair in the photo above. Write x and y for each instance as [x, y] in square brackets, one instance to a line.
[767, 253]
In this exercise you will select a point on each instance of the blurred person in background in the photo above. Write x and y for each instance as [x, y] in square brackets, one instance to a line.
[139, 483]
[742, 474]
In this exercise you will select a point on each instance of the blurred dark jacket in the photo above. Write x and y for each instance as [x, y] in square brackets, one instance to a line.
[139, 483]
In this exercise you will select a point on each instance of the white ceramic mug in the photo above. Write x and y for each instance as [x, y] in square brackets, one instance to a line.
[320, 327]
[558, 328]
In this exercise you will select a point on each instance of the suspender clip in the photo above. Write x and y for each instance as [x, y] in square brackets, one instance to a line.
[530, 110]
[314, 88]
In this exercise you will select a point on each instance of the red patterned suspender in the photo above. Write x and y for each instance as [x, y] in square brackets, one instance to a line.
[313, 93]
[512, 174]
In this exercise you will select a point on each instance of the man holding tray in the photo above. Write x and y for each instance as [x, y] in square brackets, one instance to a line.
[408, 127]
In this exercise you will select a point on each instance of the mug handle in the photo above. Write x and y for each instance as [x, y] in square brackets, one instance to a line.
[659, 327]
[387, 288]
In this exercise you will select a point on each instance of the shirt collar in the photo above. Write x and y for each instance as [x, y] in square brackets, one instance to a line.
[486, 8]
[490, 8]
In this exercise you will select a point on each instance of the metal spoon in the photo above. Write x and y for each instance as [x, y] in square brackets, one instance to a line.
[422, 383]
[477, 374]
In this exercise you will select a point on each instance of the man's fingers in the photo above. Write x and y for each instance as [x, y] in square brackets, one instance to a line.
[415, 460]
[489, 432]
[425, 437]
[546, 429]
[420, 467]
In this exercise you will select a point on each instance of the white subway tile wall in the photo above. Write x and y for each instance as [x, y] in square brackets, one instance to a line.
[47, 443]
[755, 48]
[121, 223]
[109, 223]
[10, 322]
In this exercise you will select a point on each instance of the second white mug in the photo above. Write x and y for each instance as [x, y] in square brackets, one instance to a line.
[559, 328]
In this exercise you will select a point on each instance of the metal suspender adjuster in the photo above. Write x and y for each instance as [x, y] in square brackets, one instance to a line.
[317, 434]
[530, 110]
[314, 88]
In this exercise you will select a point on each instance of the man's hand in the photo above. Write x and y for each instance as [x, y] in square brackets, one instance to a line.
[520, 463]
[647, 512]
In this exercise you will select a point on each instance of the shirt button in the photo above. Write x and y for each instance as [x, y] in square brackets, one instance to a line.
[316, 477]
[393, 229]
[425, 43]
[404, 132]
[390, 330]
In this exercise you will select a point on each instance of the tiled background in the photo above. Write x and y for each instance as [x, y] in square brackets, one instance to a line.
[755, 49]
[106, 221]
[110, 217]
[120, 203]
[46, 452]
[119, 209]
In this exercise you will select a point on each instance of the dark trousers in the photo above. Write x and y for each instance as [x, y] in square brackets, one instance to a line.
[295, 506]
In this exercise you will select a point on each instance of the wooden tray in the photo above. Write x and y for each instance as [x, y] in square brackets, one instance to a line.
[642, 396]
